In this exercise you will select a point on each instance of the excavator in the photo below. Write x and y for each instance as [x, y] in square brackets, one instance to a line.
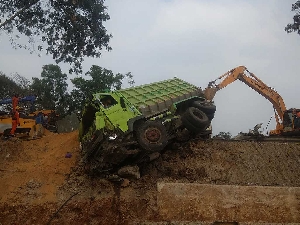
[285, 118]
[28, 118]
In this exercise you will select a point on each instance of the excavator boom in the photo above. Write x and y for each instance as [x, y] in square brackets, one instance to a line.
[224, 80]
[241, 73]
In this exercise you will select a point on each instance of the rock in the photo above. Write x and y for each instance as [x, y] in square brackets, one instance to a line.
[114, 178]
[125, 183]
[129, 172]
[32, 184]
[153, 156]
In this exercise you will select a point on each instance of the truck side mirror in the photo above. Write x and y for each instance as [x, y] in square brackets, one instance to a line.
[122, 102]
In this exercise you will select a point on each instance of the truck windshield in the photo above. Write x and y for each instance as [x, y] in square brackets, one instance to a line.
[108, 101]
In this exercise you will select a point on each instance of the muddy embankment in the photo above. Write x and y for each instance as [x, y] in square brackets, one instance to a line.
[36, 179]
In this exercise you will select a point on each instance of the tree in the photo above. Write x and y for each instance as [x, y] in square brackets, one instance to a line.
[223, 135]
[72, 29]
[99, 79]
[7, 87]
[23, 83]
[51, 89]
[13, 85]
[295, 26]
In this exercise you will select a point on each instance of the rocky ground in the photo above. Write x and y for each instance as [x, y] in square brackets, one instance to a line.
[40, 185]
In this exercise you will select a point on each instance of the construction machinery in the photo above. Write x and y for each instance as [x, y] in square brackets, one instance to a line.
[32, 121]
[142, 119]
[285, 119]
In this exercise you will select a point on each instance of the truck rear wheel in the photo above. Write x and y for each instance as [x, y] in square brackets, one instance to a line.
[190, 127]
[194, 119]
[206, 108]
[210, 116]
[152, 136]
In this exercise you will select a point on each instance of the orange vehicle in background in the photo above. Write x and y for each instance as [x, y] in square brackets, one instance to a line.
[31, 122]
[285, 119]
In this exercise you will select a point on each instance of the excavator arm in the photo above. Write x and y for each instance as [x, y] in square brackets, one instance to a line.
[241, 73]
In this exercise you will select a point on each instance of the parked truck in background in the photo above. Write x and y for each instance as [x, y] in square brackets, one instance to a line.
[141, 120]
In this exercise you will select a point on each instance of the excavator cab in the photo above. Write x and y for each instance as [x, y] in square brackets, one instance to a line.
[291, 120]
[288, 121]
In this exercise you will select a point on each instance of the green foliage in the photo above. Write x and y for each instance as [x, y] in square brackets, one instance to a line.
[51, 89]
[223, 135]
[23, 83]
[72, 29]
[13, 85]
[7, 87]
[295, 26]
[99, 79]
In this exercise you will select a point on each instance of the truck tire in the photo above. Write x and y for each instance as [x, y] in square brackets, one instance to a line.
[195, 117]
[206, 108]
[210, 116]
[190, 127]
[152, 136]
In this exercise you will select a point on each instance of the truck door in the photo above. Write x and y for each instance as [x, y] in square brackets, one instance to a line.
[116, 112]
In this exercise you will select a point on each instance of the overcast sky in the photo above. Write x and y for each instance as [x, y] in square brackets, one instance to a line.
[196, 40]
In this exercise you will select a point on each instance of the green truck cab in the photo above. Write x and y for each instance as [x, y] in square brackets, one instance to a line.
[144, 119]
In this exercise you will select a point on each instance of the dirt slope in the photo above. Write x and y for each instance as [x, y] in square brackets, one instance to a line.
[35, 168]
[36, 178]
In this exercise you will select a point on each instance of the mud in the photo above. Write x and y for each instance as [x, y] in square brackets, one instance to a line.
[36, 179]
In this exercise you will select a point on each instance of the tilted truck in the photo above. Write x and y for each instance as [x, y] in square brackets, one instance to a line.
[127, 123]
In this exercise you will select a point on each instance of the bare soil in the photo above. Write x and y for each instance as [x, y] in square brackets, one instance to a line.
[37, 180]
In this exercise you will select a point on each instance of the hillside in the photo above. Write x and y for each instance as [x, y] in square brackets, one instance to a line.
[36, 178]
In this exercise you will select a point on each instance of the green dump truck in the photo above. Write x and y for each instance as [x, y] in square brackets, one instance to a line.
[125, 123]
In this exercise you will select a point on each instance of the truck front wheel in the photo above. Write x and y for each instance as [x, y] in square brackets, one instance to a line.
[152, 136]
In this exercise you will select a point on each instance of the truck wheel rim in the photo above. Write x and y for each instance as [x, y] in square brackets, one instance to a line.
[152, 135]
[199, 115]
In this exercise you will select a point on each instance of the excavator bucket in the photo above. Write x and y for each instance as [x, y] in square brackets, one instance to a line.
[210, 93]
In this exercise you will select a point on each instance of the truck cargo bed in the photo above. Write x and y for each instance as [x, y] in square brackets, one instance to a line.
[159, 96]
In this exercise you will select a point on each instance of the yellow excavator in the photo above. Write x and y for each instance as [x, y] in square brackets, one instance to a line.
[285, 119]
[32, 123]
